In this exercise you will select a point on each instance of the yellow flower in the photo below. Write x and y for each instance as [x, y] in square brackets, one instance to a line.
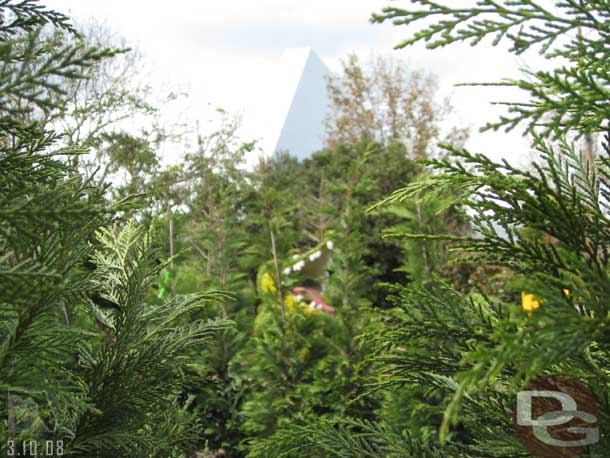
[529, 302]
[268, 284]
[291, 302]
[307, 309]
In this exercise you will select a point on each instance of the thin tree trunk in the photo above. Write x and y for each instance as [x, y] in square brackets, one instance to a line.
[221, 258]
[346, 269]
[171, 235]
[346, 233]
[588, 153]
[424, 249]
[276, 265]
[588, 140]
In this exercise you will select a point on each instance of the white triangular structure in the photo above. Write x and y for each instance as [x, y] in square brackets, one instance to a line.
[306, 104]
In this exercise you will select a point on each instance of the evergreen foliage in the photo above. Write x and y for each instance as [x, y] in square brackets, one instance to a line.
[48, 213]
[573, 95]
[134, 377]
[88, 360]
[426, 343]
[449, 362]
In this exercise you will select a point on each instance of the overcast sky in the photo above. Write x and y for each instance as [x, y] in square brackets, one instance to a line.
[227, 52]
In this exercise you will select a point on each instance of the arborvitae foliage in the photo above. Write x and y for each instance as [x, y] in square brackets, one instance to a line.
[573, 94]
[452, 362]
[292, 368]
[347, 439]
[28, 15]
[216, 189]
[133, 377]
[88, 360]
[33, 69]
[348, 179]
[307, 365]
[48, 213]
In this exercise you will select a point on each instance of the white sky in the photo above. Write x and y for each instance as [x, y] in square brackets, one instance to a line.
[227, 53]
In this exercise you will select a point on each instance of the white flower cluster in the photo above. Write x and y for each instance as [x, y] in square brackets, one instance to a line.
[315, 305]
[298, 266]
[315, 255]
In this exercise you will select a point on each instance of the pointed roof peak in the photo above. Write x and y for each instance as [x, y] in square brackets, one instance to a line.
[296, 57]
[303, 122]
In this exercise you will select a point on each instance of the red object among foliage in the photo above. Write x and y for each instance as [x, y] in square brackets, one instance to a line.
[314, 297]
